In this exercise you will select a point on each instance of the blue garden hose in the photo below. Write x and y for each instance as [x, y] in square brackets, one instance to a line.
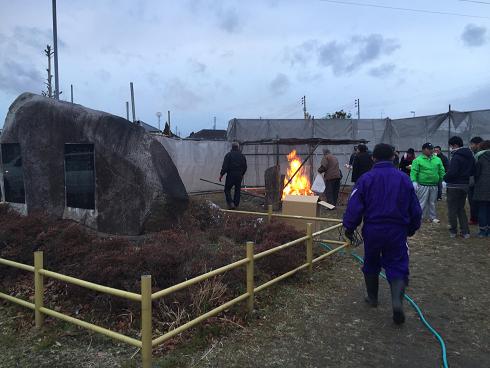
[417, 309]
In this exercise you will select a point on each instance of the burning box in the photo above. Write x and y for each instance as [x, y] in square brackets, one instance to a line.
[300, 205]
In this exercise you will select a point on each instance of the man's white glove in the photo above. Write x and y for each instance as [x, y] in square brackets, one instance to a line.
[415, 186]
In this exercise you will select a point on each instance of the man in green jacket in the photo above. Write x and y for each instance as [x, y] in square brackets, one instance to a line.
[427, 171]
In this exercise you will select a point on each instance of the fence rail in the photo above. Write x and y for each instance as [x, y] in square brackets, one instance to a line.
[145, 298]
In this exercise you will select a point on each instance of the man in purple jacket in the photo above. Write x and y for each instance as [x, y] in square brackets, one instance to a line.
[384, 199]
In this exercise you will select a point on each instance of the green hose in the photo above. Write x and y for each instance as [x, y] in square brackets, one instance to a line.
[417, 309]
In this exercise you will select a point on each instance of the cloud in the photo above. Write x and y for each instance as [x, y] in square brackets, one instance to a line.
[17, 78]
[228, 20]
[181, 95]
[343, 57]
[301, 54]
[197, 66]
[280, 84]
[474, 36]
[382, 71]
[225, 17]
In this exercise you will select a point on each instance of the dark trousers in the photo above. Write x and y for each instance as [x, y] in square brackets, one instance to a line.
[332, 188]
[473, 204]
[233, 180]
[439, 190]
[484, 215]
[456, 200]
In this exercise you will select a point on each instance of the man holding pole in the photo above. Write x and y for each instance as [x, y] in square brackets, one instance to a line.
[384, 200]
[331, 175]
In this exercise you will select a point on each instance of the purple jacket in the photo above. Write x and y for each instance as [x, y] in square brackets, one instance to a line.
[384, 195]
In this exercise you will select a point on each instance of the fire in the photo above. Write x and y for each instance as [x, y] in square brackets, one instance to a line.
[300, 185]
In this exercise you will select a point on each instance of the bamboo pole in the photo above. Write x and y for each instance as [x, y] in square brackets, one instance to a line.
[250, 276]
[146, 321]
[309, 248]
[269, 213]
[18, 265]
[38, 289]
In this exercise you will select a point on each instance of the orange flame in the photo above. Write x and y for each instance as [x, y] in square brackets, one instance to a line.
[300, 185]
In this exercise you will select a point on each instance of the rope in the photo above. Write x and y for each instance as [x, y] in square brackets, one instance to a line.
[409, 299]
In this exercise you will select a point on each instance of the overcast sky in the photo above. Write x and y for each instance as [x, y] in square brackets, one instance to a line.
[250, 59]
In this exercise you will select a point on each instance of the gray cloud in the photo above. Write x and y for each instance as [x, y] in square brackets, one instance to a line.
[181, 95]
[301, 54]
[474, 36]
[197, 66]
[382, 71]
[225, 17]
[228, 20]
[343, 57]
[17, 78]
[280, 84]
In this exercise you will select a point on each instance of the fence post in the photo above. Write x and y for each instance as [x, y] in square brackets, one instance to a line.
[38, 288]
[250, 276]
[269, 213]
[146, 321]
[309, 248]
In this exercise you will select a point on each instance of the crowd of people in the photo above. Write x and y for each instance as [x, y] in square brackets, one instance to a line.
[465, 175]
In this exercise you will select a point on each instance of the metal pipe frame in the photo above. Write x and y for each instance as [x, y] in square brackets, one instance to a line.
[17, 301]
[198, 320]
[92, 327]
[92, 286]
[18, 265]
[265, 214]
[195, 280]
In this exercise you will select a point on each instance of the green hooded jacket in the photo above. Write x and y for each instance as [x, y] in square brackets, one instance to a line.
[427, 170]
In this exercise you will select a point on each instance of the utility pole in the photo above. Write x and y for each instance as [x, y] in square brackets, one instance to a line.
[55, 44]
[159, 114]
[357, 104]
[127, 110]
[49, 53]
[71, 92]
[449, 131]
[303, 101]
[132, 101]
[170, 130]
[214, 123]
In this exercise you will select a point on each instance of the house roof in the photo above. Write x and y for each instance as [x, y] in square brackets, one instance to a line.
[209, 134]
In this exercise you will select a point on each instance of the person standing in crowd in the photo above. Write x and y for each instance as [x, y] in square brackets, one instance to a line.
[396, 160]
[426, 173]
[329, 167]
[461, 167]
[385, 201]
[234, 166]
[406, 161]
[482, 188]
[474, 147]
[352, 156]
[445, 163]
[362, 162]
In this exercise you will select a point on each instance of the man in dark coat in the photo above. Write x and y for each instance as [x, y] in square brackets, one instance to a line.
[474, 147]
[461, 168]
[234, 166]
[482, 188]
[385, 201]
[445, 163]
[362, 162]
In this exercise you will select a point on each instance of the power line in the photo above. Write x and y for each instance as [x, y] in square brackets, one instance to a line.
[404, 9]
[476, 2]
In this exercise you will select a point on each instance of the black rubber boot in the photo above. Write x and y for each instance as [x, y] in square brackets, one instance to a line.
[397, 293]
[372, 285]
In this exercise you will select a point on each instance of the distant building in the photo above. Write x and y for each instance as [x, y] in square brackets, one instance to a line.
[147, 127]
[209, 135]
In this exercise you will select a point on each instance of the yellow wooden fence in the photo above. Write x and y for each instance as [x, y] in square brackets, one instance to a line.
[146, 297]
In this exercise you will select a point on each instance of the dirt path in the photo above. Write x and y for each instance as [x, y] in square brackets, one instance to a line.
[327, 325]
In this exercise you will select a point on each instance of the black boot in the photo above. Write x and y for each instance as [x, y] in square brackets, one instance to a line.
[372, 284]
[397, 293]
